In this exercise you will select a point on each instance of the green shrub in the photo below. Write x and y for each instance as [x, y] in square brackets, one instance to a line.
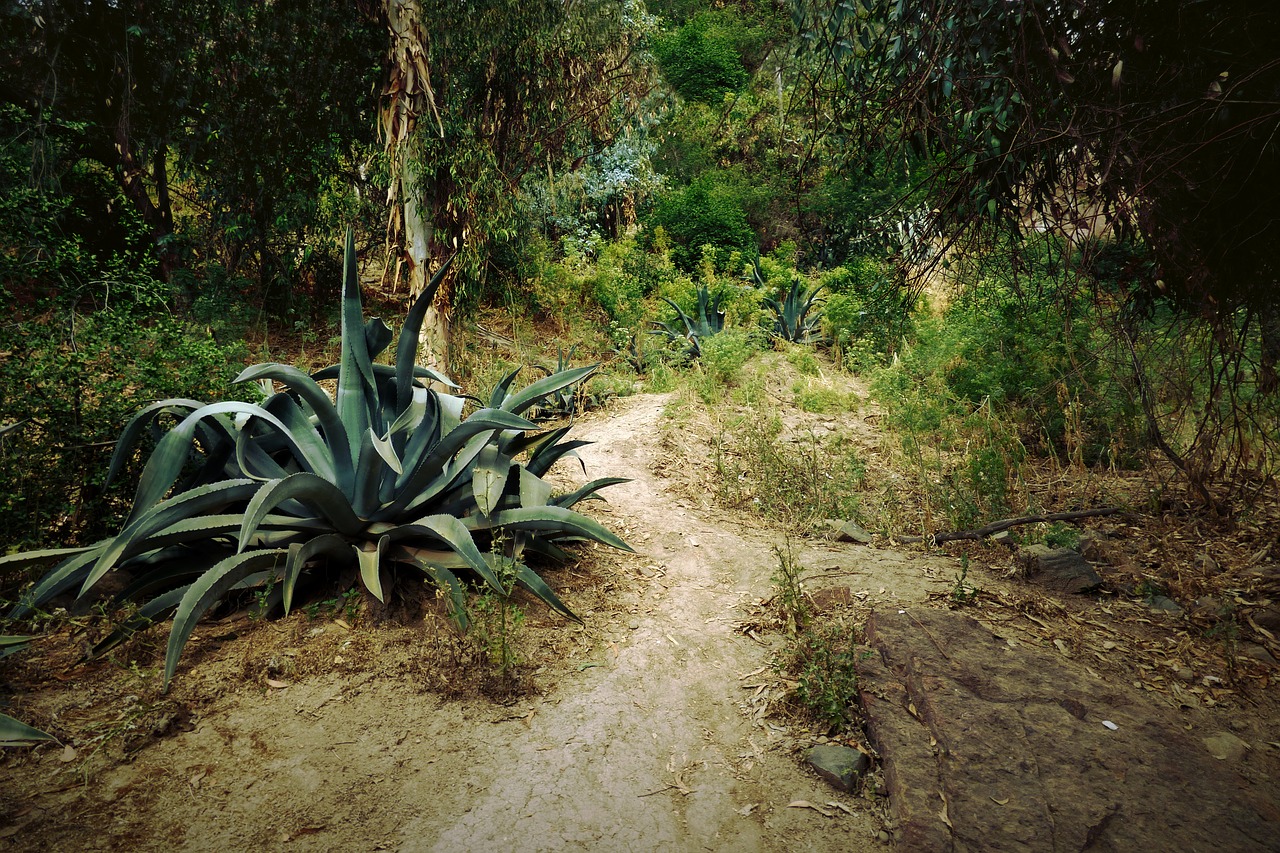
[74, 380]
[820, 400]
[624, 276]
[823, 661]
[723, 357]
[708, 212]
[803, 360]
[703, 59]
[865, 314]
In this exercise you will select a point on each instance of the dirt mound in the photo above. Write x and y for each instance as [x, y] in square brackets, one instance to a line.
[990, 744]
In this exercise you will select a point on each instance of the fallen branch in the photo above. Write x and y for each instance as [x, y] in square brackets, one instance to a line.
[1005, 524]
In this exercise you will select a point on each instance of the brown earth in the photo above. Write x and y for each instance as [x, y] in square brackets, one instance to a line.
[661, 724]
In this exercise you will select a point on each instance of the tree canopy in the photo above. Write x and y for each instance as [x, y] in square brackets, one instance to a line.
[1160, 116]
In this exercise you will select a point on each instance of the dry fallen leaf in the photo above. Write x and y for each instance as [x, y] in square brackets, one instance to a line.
[841, 806]
[805, 804]
[343, 624]
[1003, 802]
[68, 754]
[279, 685]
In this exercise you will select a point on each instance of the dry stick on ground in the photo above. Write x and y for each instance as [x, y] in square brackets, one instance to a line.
[1005, 524]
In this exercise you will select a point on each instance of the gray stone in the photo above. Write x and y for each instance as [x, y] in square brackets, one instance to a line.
[1258, 653]
[1004, 537]
[1207, 564]
[1208, 607]
[839, 765]
[851, 531]
[1091, 547]
[1059, 568]
[1225, 746]
[1268, 618]
[1266, 577]
[1164, 604]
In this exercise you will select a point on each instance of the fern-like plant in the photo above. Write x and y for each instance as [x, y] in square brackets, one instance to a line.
[386, 474]
[709, 321]
[794, 317]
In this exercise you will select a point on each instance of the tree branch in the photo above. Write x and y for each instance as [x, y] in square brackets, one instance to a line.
[1005, 524]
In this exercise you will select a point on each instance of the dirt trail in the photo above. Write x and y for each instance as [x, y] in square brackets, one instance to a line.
[657, 739]
[656, 749]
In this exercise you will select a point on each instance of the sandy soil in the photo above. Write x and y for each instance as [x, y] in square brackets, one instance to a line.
[649, 728]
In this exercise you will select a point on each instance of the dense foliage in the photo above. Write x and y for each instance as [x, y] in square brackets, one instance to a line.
[234, 131]
[1157, 118]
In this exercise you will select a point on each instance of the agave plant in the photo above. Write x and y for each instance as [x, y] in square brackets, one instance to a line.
[15, 732]
[563, 402]
[709, 321]
[794, 318]
[386, 474]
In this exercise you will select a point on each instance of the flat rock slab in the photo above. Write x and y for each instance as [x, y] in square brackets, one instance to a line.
[990, 747]
[1059, 568]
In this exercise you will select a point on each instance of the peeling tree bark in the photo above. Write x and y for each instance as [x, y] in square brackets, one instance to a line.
[408, 95]
[418, 227]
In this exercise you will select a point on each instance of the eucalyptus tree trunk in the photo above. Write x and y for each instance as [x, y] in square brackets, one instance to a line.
[418, 234]
[407, 97]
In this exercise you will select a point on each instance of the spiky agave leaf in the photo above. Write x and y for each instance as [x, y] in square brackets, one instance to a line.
[792, 320]
[386, 472]
[17, 733]
[300, 553]
[206, 591]
[14, 732]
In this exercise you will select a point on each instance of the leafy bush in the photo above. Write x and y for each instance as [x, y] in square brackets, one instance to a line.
[72, 381]
[66, 232]
[824, 661]
[724, 355]
[387, 474]
[701, 60]
[866, 313]
[1029, 347]
[720, 367]
[708, 212]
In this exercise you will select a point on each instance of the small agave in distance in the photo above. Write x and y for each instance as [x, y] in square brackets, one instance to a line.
[386, 474]
[709, 321]
[794, 317]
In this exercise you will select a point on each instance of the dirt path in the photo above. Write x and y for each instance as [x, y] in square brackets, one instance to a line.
[656, 739]
[655, 748]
